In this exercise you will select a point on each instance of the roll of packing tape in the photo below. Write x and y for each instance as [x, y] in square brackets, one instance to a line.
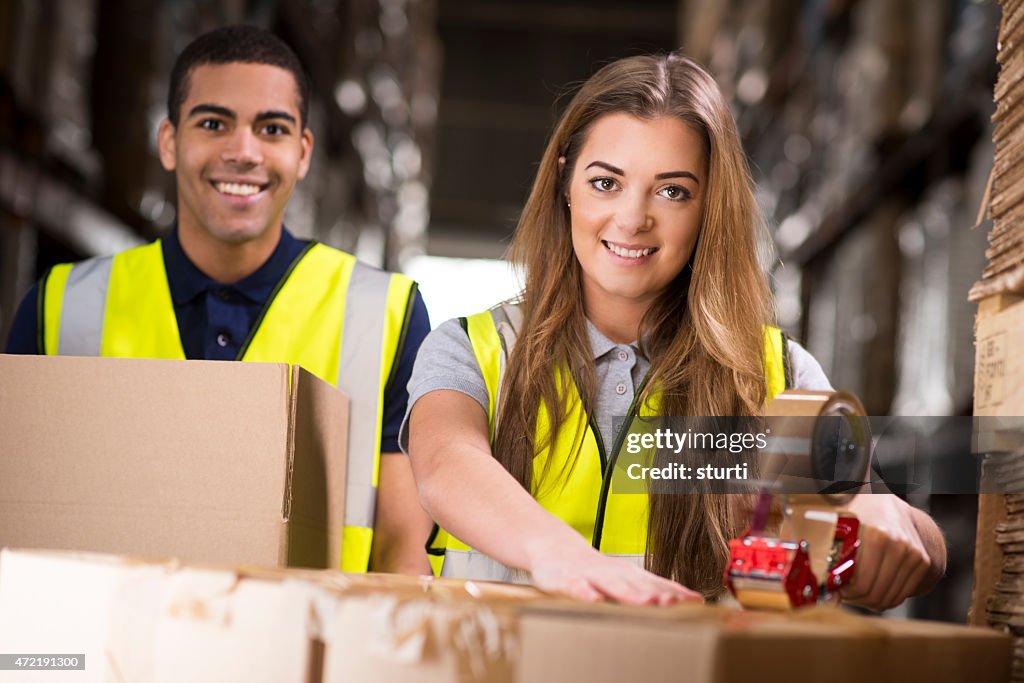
[818, 442]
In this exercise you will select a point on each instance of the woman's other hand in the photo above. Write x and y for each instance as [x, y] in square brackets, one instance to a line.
[580, 572]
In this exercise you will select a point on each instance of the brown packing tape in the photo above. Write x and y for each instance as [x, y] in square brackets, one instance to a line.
[727, 618]
[811, 517]
[791, 420]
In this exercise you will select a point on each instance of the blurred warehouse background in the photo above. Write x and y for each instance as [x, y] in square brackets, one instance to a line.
[867, 123]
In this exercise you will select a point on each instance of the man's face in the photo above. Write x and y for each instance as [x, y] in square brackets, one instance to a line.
[237, 152]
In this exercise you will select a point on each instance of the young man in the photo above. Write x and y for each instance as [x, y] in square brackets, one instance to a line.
[231, 283]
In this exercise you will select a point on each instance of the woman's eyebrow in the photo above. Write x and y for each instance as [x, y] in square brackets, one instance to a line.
[677, 174]
[607, 167]
[660, 176]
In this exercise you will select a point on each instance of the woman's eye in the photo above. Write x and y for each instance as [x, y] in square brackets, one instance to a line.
[604, 184]
[674, 192]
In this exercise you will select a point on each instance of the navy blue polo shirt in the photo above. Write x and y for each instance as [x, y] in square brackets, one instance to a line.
[215, 319]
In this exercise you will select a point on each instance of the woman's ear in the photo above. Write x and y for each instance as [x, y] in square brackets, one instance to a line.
[562, 180]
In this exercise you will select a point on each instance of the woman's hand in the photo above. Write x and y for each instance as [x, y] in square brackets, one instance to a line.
[581, 572]
[901, 552]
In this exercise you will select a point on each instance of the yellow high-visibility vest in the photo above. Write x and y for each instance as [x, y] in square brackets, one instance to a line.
[583, 494]
[338, 318]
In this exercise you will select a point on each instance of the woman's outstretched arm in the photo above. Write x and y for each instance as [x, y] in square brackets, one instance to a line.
[472, 496]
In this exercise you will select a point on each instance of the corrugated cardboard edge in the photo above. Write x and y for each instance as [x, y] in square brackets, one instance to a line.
[1008, 282]
[988, 556]
[292, 376]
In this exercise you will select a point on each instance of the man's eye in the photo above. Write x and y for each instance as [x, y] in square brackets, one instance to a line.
[275, 129]
[604, 184]
[675, 192]
[211, 124]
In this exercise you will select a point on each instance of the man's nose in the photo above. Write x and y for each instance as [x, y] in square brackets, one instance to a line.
[242, 148]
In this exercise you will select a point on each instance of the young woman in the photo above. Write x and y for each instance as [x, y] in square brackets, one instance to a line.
[643, 295]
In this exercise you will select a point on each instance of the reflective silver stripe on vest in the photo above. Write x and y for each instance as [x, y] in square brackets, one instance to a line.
[508, 318]
[359, 364]
[85, 301]
[477, 566]
[635, 560]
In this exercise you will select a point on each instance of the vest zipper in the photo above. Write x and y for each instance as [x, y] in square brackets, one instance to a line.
[270, 300]
[606, 482]
[600, 442]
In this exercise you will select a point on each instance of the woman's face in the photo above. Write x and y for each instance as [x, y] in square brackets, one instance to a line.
[635, 205]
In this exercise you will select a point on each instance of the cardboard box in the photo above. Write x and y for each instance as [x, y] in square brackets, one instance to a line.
[998, 393]
[159, 622]
[153, 622]
[206, 461]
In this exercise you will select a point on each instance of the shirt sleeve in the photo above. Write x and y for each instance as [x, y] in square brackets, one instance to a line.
[24, 335]
[807, 372]
[445, 361]
[396, 396]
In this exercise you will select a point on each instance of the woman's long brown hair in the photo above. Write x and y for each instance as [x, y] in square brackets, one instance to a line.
[703, 335]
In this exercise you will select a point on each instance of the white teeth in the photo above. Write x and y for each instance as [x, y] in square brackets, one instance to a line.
[239, 189]
[628, 253]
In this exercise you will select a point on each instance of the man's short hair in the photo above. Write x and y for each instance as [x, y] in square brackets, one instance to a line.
[231, 44]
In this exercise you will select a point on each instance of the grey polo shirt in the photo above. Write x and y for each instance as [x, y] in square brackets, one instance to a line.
[446, 361]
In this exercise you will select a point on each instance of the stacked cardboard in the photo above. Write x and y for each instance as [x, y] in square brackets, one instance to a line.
[1005, 605]
[145, 621]
[998, 598]
[1005, 269]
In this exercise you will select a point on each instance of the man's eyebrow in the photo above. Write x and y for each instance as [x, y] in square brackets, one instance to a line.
[607, 167]
[229, 114]
[211, 109]
[677, 174]
[268, 115]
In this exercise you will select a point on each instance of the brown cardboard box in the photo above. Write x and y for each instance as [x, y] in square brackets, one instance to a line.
[725, 645]
[998, 393]
[999, 365]
[205, 461]
[138, 621]
[161, 622]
